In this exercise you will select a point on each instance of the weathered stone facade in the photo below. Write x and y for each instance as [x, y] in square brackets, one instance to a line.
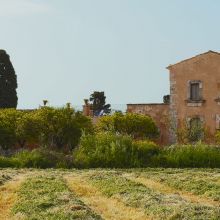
[194, 93]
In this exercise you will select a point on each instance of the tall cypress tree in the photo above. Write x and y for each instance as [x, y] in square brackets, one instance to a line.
[8, 82]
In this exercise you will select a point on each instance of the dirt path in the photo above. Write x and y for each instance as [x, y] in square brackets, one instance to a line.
[8, 195]
[108, 208]
[169, 190]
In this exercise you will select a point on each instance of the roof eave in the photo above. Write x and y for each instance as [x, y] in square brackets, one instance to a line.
[210, 51]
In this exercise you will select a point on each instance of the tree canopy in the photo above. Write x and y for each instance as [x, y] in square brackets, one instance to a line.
[99, 105]
[8, 82]
[136, 125]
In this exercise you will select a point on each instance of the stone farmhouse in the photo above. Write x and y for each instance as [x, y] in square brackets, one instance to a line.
[194, 97]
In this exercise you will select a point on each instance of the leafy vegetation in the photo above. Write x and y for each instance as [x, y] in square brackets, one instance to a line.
[111, 150]
[136, 125]
[117, 151]
[7, 162]
[119, 141]
[41, 158]
[57, 128]
[62, 128]
[197, 155]
[99, 105]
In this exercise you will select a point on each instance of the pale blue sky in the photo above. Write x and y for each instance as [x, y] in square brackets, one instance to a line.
[62, 50]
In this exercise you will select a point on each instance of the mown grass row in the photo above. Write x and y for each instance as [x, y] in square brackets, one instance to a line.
[46, 196]
[4, 178]
[6, 175]
[204, 182]
[156, 205]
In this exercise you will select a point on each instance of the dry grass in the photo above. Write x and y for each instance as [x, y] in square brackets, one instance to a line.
[8, 195]
[169, 190]
[108, 208]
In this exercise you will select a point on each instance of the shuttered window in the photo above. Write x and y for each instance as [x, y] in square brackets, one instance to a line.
[194, 92]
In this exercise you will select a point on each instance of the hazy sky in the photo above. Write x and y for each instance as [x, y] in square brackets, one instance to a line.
[62, 50]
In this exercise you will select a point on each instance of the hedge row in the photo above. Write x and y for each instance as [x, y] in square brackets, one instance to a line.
[109, 150]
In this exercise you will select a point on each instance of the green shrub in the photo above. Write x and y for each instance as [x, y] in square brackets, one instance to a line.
[8, 118]
[61, 128]
[111, 150]
[7, 162]
[57, 128]
[146, 151]
[41, 158]
[135, 125]
[198, 155]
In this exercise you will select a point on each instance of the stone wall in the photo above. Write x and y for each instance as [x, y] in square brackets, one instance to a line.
[159, 113]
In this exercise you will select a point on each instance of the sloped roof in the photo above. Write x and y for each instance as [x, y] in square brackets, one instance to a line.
[210, 51]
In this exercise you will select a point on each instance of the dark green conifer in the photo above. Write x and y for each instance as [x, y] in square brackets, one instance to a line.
[99, 105]
[8, 82]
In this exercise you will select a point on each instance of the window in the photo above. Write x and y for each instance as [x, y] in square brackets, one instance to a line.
[194, 92]
[196, 131]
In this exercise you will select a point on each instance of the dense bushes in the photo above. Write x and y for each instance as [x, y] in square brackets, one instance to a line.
[120, 141]
[118, 151]
[7, 162]
[111, 150]
[198, 155]
[62, 128]
[37, 158]
[57, 128]
[136, 125]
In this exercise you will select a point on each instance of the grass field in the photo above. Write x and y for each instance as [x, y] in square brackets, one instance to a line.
[137, 194]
